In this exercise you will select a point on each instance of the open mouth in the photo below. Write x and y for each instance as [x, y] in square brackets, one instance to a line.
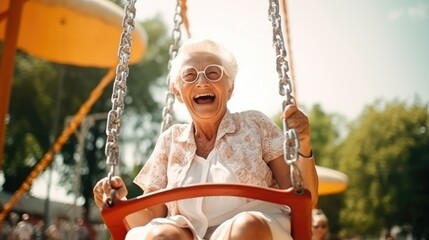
[204, 98]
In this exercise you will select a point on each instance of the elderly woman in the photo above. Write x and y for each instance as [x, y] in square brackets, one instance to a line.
[221, 147]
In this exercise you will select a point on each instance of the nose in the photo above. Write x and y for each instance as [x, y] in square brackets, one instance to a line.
[199, 77]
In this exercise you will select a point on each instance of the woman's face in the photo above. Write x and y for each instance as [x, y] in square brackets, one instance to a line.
[205, 100]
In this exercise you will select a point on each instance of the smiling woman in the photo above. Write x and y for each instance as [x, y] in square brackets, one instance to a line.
[205, 95]
[223, 175]
[218, 146]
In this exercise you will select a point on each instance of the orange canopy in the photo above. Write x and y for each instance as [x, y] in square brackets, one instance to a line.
[75, 32]
[331, 181]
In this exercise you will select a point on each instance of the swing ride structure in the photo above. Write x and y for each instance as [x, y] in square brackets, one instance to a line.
[43, 28]
[115, 211]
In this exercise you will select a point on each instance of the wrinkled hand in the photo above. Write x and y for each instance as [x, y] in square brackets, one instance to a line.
[102, 190]
[296, 119]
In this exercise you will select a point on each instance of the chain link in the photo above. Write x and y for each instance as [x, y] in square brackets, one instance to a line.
[291, 140]
[113, 128]
[114, 123]
[176, 34]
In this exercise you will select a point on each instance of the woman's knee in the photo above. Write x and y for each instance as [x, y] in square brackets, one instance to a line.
[250, 226]
[169, 232]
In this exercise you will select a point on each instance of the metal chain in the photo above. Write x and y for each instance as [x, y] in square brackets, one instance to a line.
[113, 128]
[167, 112]
[291, 141]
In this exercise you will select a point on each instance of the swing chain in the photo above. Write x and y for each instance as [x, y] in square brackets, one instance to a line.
[291, 140]
[113, 128]
[167, 112]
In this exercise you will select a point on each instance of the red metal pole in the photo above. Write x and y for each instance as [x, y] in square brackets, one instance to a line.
[7, 65]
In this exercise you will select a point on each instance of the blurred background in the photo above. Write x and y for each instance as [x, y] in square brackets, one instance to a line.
[359, 70]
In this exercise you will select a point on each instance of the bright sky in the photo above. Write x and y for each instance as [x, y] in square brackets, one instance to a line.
[345, 54]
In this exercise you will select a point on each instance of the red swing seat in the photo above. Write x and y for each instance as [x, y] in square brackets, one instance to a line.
[300, 203]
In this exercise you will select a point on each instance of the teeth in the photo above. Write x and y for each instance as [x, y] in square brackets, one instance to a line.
[204, 95]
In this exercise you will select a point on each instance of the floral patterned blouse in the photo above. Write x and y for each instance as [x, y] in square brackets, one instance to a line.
[246, 142]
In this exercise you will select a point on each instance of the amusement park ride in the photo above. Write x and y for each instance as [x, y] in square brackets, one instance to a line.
[48, 29]
[115, 210]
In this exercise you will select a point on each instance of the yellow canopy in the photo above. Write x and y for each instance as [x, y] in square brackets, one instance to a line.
[75, 32]
[331, 181]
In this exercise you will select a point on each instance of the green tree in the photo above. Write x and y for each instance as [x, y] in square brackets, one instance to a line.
[34, 96]
[325, 134]
[327, 131]
[386, 158]
[30, 118]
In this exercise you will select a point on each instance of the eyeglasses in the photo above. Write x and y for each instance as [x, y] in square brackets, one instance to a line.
[323, 226]
[212, 72]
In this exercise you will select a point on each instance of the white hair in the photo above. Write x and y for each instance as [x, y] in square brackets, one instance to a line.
[193, 45]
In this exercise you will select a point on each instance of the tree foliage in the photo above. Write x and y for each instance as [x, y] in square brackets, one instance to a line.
[386, 158]
[326, 134]
[32, 113]
[385, 155]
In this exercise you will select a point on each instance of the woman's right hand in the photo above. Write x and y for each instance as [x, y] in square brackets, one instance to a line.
[103, 188]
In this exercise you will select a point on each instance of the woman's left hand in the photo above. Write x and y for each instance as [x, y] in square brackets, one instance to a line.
[296, 119]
